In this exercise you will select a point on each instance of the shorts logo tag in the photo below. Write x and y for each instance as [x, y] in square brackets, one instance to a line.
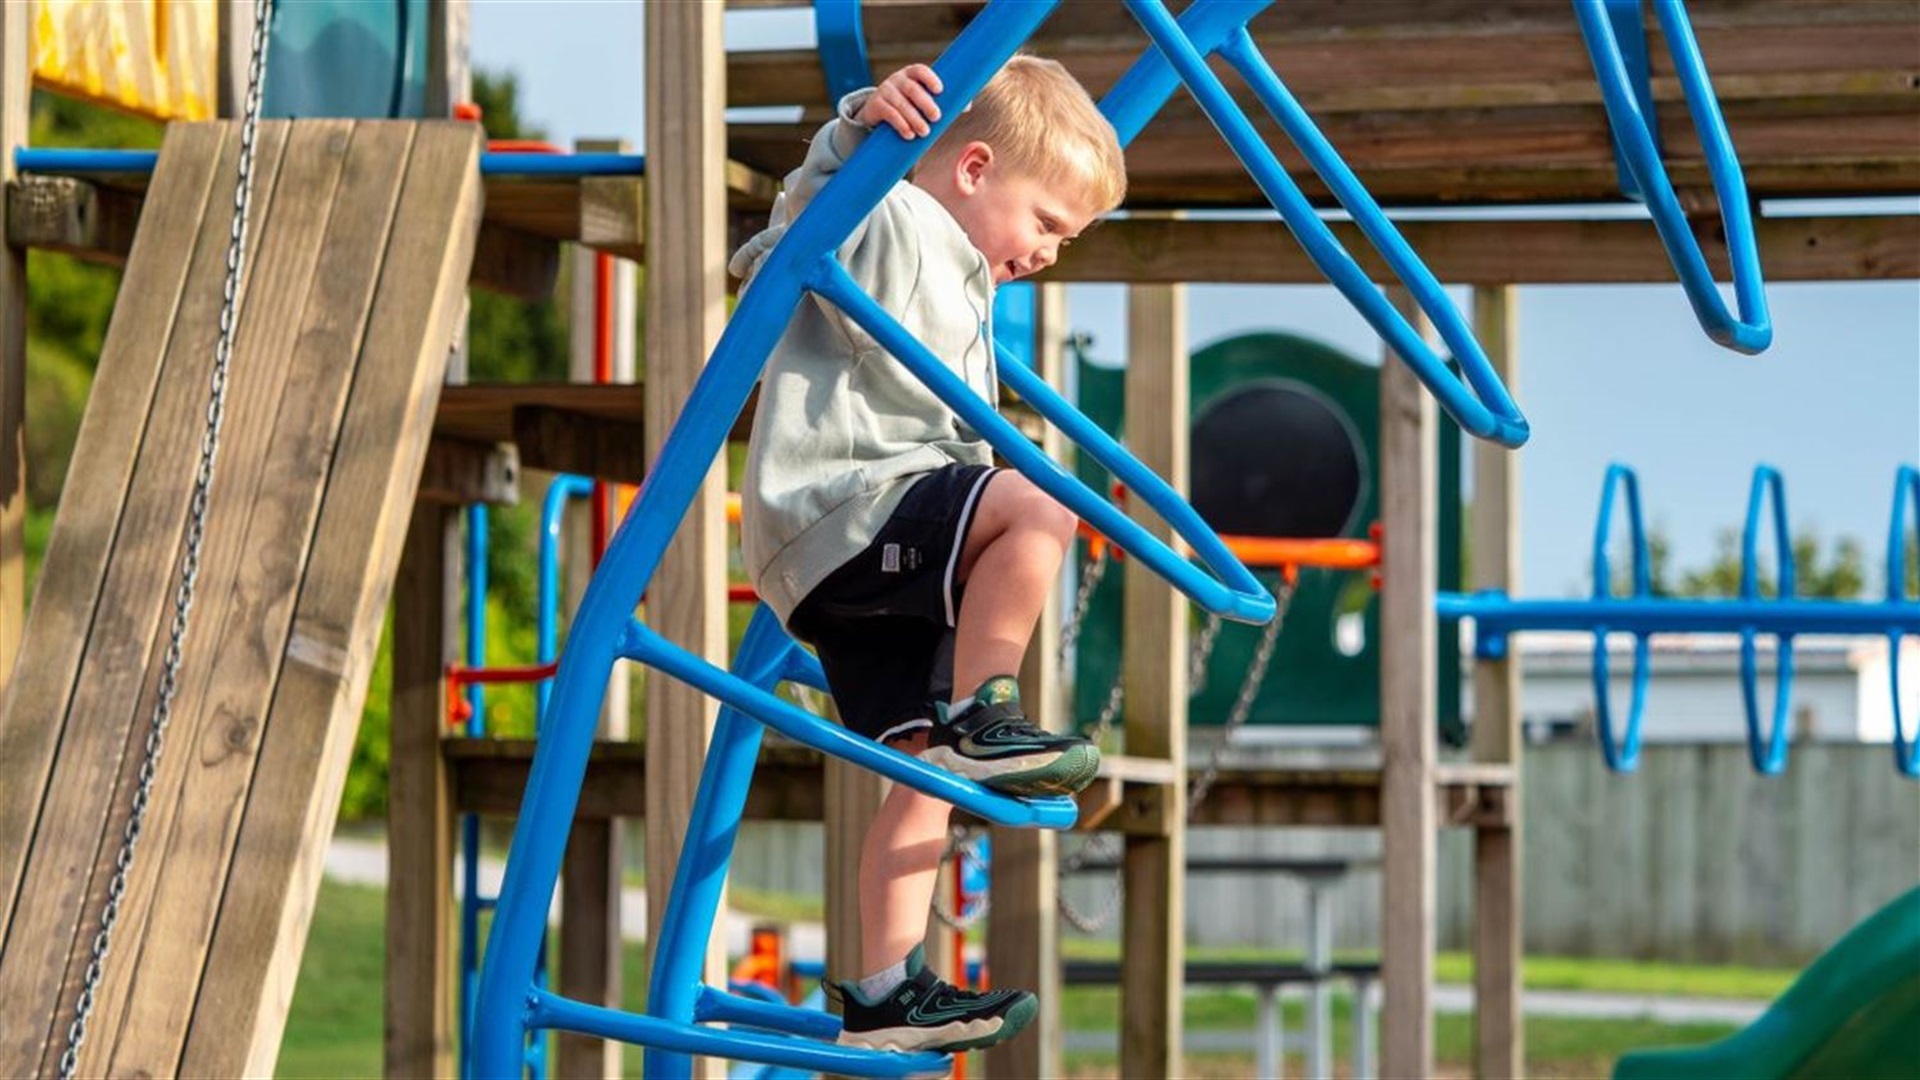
[890, 559]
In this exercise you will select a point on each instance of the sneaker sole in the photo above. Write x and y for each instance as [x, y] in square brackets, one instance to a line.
[957, 1037]
[1066, 773]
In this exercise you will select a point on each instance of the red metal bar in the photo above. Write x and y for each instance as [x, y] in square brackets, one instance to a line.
[459, 710]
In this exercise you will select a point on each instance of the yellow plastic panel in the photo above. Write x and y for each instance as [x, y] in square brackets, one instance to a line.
[152, 57]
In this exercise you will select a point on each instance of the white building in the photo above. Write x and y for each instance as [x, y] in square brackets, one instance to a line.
[1841, 686]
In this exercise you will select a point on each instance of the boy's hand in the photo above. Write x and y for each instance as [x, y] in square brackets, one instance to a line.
[904, 102]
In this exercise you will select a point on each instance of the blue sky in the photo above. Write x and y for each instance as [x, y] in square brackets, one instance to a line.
[1608, 373]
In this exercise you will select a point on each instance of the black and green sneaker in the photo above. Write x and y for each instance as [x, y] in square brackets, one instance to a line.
[924, 1013]
[990, 741]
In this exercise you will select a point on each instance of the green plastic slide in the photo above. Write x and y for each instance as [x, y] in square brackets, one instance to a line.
[1855, 1014]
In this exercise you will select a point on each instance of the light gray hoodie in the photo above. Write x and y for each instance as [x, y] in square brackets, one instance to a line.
[842, 428]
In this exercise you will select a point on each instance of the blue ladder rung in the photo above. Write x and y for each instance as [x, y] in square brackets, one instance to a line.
[549, 1010]
[645, 645]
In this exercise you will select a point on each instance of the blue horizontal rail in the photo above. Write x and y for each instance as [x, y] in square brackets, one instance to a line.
[1497, 616]
[69, 162]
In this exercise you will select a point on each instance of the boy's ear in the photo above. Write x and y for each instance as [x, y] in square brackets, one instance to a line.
[970, 166]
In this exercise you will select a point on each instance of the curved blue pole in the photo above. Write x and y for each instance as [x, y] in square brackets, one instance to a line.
[673, 988]
[476, 651]
[553, 511]
[1751, 330]
[1481, 404]
[842, 45]
[1768, 750]
[1622, 752]
[509, 1004]
[1906, 491]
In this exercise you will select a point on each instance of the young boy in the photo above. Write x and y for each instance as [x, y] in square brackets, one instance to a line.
[874, 522]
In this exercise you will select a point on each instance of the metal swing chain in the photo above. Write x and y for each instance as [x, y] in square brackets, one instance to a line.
[196, 532]
[960, 840]
[1105, 845]
[1243, 704]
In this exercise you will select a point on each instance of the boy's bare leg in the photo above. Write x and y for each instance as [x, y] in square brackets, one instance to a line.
[899, 869]
[1009, 564]
[1011, 559]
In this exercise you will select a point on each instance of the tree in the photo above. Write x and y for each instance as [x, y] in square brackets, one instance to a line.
[1836, 574]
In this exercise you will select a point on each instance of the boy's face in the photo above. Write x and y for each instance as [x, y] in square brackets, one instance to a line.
[1018, 222]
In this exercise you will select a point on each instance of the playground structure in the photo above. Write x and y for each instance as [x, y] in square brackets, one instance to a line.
[682, 204]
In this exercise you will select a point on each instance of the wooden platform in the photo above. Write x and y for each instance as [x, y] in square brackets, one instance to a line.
[362, 235]
[1132, 794]
[1455, 101]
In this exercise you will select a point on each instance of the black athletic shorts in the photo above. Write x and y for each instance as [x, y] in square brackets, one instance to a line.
[883, 622]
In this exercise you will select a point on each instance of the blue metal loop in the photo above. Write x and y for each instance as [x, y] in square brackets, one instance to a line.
[1751, 330]
[1906, 492]
[1481, 403]
[1622, 750]
[842, 45]
[1767, 750]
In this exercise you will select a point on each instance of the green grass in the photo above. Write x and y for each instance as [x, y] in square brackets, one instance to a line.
[334, 1027]
[1539, 972]
[1634, 977]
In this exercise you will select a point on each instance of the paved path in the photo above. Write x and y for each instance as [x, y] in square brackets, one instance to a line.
[359, 861]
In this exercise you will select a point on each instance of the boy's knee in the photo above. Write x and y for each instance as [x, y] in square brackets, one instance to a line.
[1037, 510]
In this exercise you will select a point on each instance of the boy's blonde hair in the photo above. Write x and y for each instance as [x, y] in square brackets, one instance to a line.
[1043, 124]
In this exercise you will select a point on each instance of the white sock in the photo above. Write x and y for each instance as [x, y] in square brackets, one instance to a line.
[883, 982]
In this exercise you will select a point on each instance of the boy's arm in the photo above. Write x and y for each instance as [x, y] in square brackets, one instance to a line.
[832, 145]
[903, 101]
[830, 149]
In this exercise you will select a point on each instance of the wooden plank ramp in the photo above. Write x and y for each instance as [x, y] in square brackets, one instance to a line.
[362, 237]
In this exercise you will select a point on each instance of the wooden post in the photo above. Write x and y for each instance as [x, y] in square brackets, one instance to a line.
[1497, 944]
[427, 595]
[591, 875]
[16, 85]
[232, 53]
[1408, 713]
[686, 298]
[420, 924]
[1153, 966]
[1023, 925]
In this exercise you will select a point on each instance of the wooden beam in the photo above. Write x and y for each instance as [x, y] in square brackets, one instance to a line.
[1499, 1042]
[1408, 710]
[686, 305]
[1023, 925]
[560, 441]
[513, 263]
[458, 472]
[92, 221]
[1444, 54]
[489, 776]
[16, 88]
[1154, 921]
[1163, 250]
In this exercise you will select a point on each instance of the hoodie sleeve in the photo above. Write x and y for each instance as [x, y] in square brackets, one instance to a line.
[832, 145]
